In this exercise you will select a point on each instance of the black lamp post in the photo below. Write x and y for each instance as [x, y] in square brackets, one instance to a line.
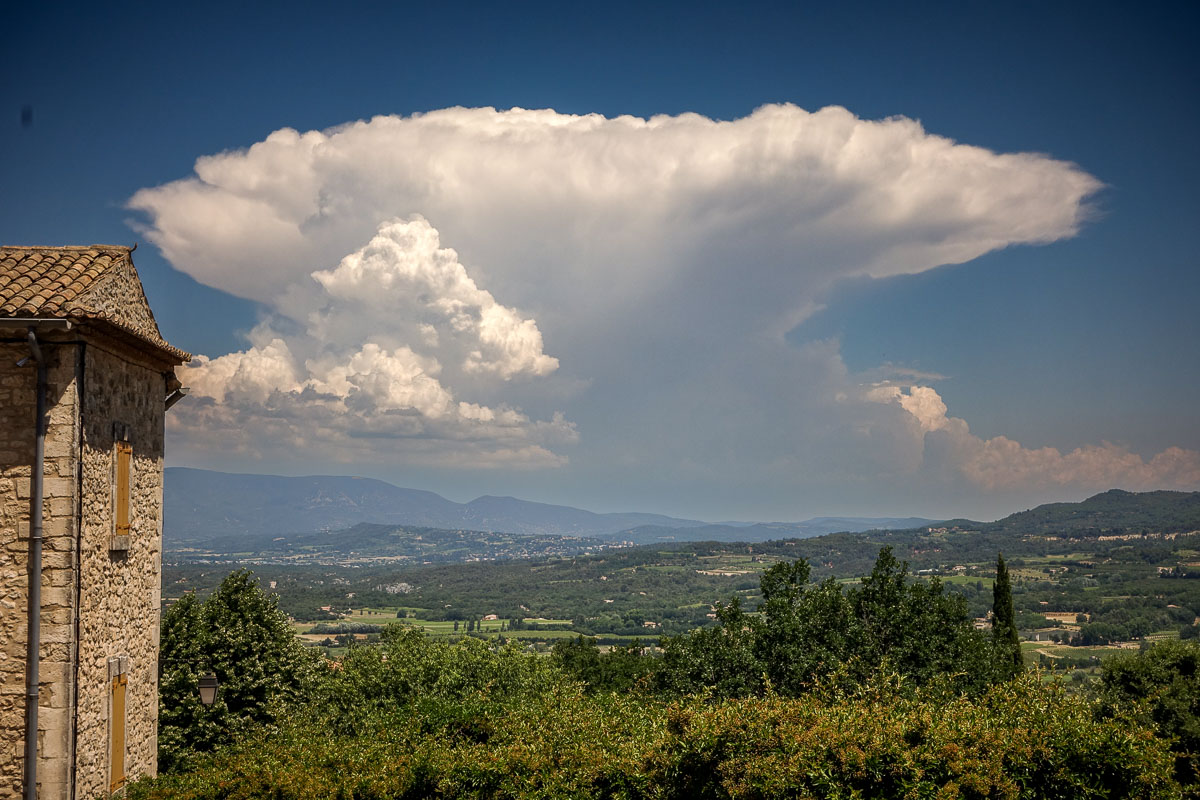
[208, 688]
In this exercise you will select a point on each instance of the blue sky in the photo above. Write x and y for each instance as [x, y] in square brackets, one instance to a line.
[1084, 340]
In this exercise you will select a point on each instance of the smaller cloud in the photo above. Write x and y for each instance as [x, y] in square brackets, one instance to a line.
[922, 402]
[946, 443]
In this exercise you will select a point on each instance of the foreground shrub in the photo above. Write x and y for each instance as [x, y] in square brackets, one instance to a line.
[1161, 685]
[240, 635]
[495, 739]
[411, 671]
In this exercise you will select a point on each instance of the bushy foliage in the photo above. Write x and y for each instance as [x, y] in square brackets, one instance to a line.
[623, 668]
[806, 633]
[823, 693]
[1022, 739]
[1163, 684]
[723, 660]
[241, 636]
[410, 671]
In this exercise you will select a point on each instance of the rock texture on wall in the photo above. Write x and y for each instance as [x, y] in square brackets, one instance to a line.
[119, 589]
[60, 483]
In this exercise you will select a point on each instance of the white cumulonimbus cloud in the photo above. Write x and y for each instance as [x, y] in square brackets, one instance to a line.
[662, 259]
[582, 212]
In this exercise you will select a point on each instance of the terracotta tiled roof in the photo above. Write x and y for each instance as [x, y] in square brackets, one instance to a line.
[95, 283]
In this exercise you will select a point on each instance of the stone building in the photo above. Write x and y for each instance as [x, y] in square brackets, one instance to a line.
[75, 328]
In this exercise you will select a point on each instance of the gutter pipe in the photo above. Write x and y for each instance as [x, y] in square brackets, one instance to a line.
[175, 396]
[34, 630]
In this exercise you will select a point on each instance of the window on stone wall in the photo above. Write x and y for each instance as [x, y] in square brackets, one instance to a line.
[124, 456]
[116, 722]
[122, 493]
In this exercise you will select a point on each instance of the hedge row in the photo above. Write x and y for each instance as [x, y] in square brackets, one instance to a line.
[1020, 740]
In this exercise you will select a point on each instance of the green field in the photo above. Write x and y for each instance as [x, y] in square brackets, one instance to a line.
[1053, 650]
[379, 617]
[963, 580]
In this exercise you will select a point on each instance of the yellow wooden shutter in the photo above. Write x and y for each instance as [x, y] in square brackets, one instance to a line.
[116, 761]
[124, 454]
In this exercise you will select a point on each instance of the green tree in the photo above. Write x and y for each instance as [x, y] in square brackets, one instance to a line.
[449, 686]
[806, 630]
[723, 658]
[580, 658]
[184, 724]
[241, 636]
[880, 608]
[915, 627]
[1005, 640]
[805, 634]
[1160, 685]
[621, 669]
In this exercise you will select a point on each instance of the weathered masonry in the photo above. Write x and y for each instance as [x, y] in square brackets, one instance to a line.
[85, 381]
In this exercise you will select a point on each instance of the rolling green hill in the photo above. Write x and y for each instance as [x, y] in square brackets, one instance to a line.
[1111, 511]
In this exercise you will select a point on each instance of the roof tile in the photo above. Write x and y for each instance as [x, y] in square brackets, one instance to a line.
[70, 282]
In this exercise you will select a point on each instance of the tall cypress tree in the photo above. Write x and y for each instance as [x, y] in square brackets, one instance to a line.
[1005, 640]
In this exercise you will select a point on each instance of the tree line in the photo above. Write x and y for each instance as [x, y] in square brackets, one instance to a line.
[884, 688]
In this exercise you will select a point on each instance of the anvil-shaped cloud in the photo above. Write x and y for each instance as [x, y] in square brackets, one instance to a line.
[661, 259]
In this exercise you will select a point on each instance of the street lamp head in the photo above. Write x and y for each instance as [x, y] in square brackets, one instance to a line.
[208, 689]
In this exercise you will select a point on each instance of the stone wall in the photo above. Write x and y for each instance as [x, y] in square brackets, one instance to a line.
[120, 588]
[60, 484]
[117, 590]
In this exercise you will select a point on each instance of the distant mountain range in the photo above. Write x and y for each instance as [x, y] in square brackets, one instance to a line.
[331, 519]
[202, 506]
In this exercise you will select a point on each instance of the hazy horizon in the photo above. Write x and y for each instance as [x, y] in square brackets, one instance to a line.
[463, 499]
